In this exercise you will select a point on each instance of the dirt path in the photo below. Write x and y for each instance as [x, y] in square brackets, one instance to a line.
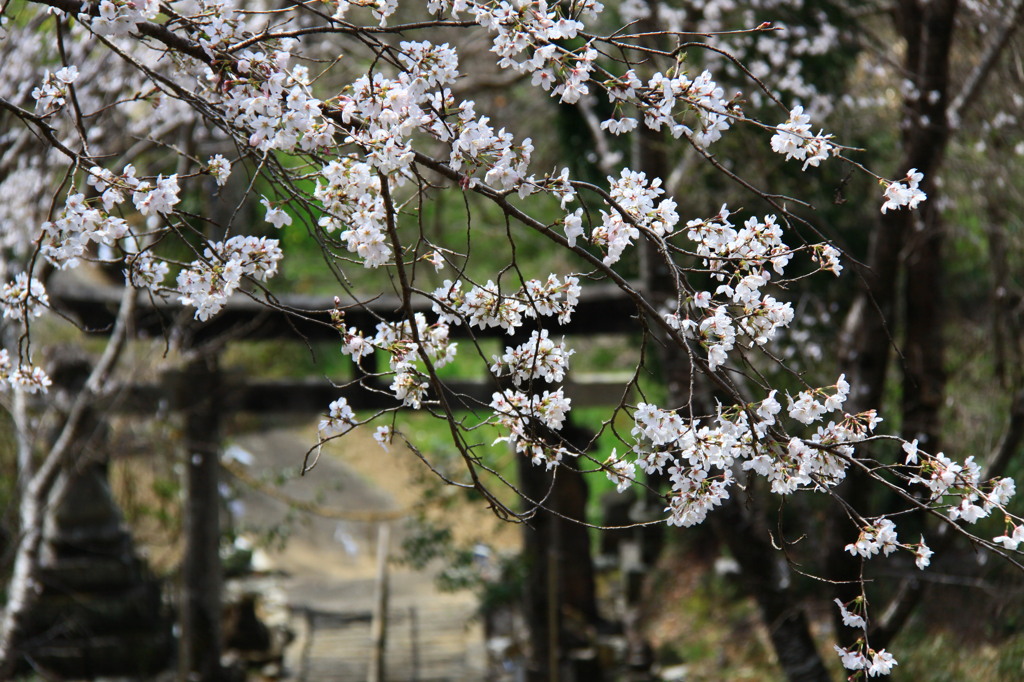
[324, 572]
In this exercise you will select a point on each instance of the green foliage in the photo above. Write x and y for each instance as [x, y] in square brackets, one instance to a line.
[926, 657]
[276, 360]
[163, 506]
[496, 578]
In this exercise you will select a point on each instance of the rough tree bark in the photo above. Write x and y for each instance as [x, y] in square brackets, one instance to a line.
[905, 245]
[199, 396]
[560, 599]
[924, 380]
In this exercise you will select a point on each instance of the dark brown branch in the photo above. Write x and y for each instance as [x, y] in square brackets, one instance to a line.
[44, 128]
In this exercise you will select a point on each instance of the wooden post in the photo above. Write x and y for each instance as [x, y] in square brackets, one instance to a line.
[198, 395]
[414, 638]
[554, 604]
[379, 626]
[560, 574]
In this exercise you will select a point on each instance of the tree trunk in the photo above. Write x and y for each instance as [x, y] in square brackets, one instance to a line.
[560, 603]
[201, 570]
[905, 244]
[766, 576]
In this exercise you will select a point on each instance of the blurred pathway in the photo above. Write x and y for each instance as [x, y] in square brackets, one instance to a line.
[322, 579]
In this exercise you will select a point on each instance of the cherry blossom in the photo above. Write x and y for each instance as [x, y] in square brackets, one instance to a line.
[208, 283]
[275, 216]
[904, 193]
[150, 199]
[28, 379]
[383, 436]
[143, 271]
[53, 92]
[1013, 539]
[794, 140]
[340, 419]
[539, 357]
[24, 297]
[922, 555]
[875, 538]
[850, 619]
[219, 168]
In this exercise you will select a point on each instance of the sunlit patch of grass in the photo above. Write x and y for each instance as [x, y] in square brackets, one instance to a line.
[944, 656]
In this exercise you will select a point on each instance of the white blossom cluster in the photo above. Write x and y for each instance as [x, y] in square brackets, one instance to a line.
[776, 53]
[382, 115]
[538, 358]
[219, 168]
[66, 239]
[669, 100]
[485, 306]
[636, 206]
[476, 145]
[1012, 538]
[861, 656]
[52, 94]
[525, 35]
[82, 222]
[158, 197]
[794, 139]
[410, 382]
[353, 205]
[519, 413]
[119, 17]
[150, 198]
[384, 112]
[23, 378]
[700, 457]
[851, 619]
[620, 471]
[971, 501]
[144, 271]
[880, 536]
[874, 663]
[529, 38]
[734, 253]
[262, 96]
[743, 261]
[339, 420]
[275, 215]
[411, 379]
[904, 193]
[381, 9]
[23, 298]
[208, 282]
[214, 26]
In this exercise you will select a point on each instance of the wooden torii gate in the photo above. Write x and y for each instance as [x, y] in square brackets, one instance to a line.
[202, 393]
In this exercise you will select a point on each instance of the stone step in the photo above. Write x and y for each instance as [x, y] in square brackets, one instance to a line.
[339, 645]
